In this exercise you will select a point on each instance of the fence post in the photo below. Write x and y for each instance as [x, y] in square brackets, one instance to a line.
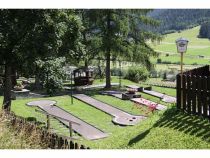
[70, 129]
[194, 94]
[178, 91]
[199, 105]
[189, 94]
[48, 123]
[184, 92]
[208, 85]
[204, 99]
[71, 145]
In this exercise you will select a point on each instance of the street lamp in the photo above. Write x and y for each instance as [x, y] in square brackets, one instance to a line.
[181, 44]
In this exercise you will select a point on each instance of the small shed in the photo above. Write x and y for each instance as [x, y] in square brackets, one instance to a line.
[83, 76]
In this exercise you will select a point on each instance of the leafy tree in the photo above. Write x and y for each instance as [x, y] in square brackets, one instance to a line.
[51, 73]
[123, 37]
[90, 39]
[28, 35]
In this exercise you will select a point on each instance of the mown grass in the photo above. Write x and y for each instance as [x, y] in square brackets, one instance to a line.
[197, 46]
[168, 129]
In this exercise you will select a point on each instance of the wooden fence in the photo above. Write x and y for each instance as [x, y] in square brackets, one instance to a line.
[196, 92]
[53, 140]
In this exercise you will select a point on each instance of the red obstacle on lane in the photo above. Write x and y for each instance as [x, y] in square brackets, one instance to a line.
[148, 103]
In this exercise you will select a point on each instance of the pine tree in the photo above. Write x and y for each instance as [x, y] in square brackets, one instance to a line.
[123, 36]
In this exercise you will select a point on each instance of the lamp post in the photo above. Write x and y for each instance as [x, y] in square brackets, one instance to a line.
[71, 88]
[181, 44]
[120, 75]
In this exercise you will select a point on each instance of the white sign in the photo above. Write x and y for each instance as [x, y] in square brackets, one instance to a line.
[181, 45]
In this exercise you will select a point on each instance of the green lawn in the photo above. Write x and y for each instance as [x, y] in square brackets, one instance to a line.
[165, 130]
[196, 47]
[162, 130]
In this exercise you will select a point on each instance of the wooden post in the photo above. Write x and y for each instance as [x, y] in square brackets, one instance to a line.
[48, 122]
[70, 129]
[178, 90]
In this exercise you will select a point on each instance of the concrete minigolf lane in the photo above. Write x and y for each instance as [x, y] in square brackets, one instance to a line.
[120, 117]
[85, 129]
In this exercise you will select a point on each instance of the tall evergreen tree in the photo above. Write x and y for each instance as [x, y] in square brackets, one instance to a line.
[123, 35]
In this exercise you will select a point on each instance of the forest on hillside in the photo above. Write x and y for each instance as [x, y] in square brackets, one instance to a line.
[172, 20]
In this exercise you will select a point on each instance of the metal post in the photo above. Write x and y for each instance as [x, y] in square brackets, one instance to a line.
[70, 129]
[71, 90]
[181, 79]
[120, 83]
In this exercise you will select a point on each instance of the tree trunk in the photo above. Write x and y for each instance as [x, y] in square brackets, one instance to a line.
[13, 76]
[108, 77]
[7, 87]
[86, 67]
[37, 82]
[108, 52]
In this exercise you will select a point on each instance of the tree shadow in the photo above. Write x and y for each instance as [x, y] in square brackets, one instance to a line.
[33, 119]
[138, 137]
[189, 124]
[183, 122]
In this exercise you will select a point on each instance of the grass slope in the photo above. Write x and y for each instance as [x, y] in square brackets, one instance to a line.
[196, 47]
[12, 139]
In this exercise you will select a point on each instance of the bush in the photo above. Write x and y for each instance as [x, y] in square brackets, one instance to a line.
[165, 76]
[153, 74]
[159, 61]
[51, 73]
[137, 74]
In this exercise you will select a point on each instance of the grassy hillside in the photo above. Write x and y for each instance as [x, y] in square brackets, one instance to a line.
[16, 139]
[196, 47]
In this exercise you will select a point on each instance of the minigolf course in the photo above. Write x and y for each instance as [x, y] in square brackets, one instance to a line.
[120, 117]
[163, 97]
[148, 103]
[85, 129]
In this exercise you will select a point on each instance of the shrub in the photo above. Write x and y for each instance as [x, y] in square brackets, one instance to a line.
[153, 74]
[137, 74]
[51, 73]
[116, 72]
[165, 76]
[159, 61]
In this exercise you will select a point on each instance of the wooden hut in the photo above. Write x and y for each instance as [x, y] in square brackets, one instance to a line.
[83, 76]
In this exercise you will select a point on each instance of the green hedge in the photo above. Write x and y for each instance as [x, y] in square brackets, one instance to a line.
[137, 74]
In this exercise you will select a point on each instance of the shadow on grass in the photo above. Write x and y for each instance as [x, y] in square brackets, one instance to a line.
[138, 137]
[186, 123]
[33, 119]
[189, 124]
